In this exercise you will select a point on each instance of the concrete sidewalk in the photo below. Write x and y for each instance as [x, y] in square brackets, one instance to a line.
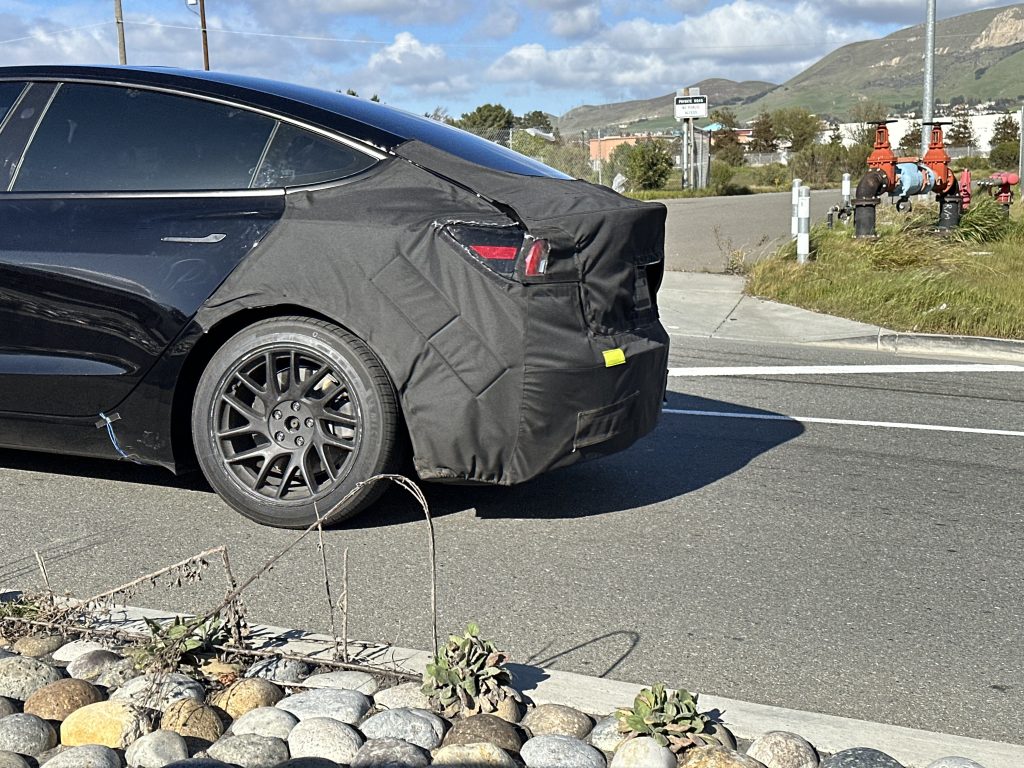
[714, 306]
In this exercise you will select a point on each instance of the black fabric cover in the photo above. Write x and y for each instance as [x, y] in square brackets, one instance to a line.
[498, 380]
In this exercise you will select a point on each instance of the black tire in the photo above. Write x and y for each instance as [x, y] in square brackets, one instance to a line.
[285, 448]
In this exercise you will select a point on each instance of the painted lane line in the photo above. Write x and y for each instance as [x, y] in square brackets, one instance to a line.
[845, 422]
[831, 370]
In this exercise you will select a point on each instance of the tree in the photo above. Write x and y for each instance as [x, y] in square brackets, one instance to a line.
[647, 164]
[440, 114]
[488, 120]
[910, 142]
[796, 126]
[961, 132]
[763, 138]
[1005, 157]
[535, 119]
[820, 164]
[1004, 131]
[726, 143]
[869, 114]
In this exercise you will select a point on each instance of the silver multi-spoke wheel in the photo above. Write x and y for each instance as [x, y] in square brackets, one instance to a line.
[290, 415]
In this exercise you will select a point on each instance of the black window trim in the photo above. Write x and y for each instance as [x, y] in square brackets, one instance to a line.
[32, 135]
[341, 138]
[14, 104]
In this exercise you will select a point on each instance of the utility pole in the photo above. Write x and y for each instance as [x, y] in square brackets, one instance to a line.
[202, 25]
[119, 21]
[929, 77]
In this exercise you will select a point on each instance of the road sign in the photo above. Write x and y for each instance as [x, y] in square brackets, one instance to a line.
[688, 107]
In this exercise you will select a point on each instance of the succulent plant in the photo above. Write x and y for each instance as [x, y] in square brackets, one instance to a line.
[468, 676]
[672, 720]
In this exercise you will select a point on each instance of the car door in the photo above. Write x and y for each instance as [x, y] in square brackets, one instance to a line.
[125, 211]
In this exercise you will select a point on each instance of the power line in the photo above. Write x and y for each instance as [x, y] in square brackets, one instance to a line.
[64, 30]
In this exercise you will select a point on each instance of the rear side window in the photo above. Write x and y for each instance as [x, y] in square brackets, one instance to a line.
[97, 138]
[298, 157]
[9, 93]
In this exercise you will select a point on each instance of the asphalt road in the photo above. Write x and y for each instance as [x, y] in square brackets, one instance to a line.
[701, 232]
[865, 571]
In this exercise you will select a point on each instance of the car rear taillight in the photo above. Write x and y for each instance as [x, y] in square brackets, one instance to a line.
[507, 250]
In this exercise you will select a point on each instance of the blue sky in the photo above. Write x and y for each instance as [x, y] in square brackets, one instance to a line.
[455, 54]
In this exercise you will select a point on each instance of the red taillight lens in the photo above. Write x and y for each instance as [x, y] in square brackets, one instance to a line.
[537, 258]
[495, 252]
[502, 249]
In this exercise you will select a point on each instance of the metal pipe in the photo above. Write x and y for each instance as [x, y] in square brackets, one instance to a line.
[929, 75]
[949, 208]
[870, 186]
[119, 21]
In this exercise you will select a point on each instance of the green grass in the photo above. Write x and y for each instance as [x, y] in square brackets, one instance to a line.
[909, 278]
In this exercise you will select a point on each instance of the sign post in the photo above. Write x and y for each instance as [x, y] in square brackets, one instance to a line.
[689, 106]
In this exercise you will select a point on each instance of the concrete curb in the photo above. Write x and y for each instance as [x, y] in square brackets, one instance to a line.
[932, 344]
[600, 696]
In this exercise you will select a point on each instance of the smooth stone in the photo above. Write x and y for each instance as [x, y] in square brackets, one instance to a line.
[861, 757]
[74, 650]
[114, 724]
[86, 756]
[156, 750]
[416, 726]
[509, 710]
[643, 752]
[198, 762]
[390, 753]
[91, 664]
[58, 700]
[606, 735]
[7, 707]
[116, 675]
[159, 690]
[250, 750]
[781, 749]
[349, 680]
[36, 646]
[219, 671]
[556, 719]
[13, 760]
[246, 695]
[345, 706]
[402, 695]
[325, 737]
[26, 735]
[279, 670]
[717, 757]
[21, 676]
[475, 755]
[557, 751]
[308, 762]
[954, 762]
[265, 721]
[485, 729]
[193, 720]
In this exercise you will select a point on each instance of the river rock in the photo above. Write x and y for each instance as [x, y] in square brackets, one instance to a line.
[156, 750]
[198, 762]
[58, 700]
[780, 749]
[117, 674]
[69, 652]
[486, 729]
[557, 751]
[218, 671]
[349, 680]
[20, 676]
[346, 706]
[13, 760]
[475, 755]
[193, 720]
[114, 724]
[606, 735]
[250, 751]
[7, 707]
[417, 726]
[246, 695]
[390, 753]
[26, 735]
[717, 757]
[402, 695]
[159, 690]
[91, 664]
[279, 670]
[86, 756]
[308, 762]
[325, 737]
[643, 752]
[556, 719]
[860, 757]
[265, 721]
[36, 646]
[954, 762]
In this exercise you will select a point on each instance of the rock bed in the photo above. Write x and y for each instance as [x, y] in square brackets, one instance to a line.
[80, 705]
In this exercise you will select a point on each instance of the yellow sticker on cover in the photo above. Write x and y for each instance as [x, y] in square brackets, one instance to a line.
[614, 357]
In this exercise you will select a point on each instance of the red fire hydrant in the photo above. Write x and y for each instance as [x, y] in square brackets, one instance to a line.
[1001, 186]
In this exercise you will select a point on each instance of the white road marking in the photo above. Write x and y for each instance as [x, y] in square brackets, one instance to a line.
[844, 422]
[829, 370]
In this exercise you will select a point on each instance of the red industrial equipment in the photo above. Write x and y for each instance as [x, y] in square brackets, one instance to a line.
[965, 189]
[937, 160]
[882, 158]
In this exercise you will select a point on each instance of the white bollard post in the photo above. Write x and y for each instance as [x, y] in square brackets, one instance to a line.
[796, 196]
[846, 190]
[803, 237]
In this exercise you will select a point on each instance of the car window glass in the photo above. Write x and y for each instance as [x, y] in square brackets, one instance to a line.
[22, 117]
[106, 138]
[9, 93]
[297, 157]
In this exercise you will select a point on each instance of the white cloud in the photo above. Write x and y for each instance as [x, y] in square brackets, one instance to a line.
[410, 65]
[583, 21]
[501, 21]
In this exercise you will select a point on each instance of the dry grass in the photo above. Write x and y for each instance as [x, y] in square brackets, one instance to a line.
[909, 278]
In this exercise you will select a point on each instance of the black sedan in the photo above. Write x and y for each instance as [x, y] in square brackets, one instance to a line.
[296, 288]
